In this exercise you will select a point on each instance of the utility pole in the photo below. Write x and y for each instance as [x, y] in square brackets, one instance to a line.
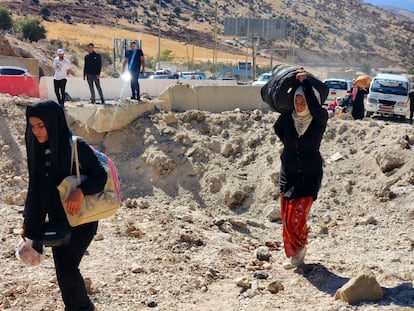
[159, 35]
[254, 57]
[247, 38]
[215, 42]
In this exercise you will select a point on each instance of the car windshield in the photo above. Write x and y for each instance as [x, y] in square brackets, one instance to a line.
[11, 71]
[337, 85]
[264, 77]
[390, 87]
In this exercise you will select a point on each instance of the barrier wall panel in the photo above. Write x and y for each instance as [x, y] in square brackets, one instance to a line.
[19, 85]
[114, 89]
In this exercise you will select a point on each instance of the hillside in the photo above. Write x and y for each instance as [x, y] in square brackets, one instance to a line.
[326, 32]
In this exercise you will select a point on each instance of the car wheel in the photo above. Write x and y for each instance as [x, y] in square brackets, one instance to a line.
[368, 114]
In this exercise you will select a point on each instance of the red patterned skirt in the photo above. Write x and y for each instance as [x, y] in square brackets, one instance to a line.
[295, 231]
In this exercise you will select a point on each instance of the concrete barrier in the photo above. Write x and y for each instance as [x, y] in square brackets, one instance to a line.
[212, 98]
[19, 85]
[106, 118]
[171, 95]
[111, 117]
[115, 89]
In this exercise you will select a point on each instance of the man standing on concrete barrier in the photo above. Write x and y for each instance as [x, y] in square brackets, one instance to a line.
[62, 67]
[134, 57]
[92, 71]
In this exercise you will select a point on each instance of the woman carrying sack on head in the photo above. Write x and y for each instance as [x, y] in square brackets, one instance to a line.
[49, 155]
[301, 172]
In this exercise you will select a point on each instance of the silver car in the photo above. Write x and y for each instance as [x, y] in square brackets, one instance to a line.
[263, 78]
[337, 89]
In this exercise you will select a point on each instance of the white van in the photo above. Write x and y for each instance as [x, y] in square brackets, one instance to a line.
[388, 95]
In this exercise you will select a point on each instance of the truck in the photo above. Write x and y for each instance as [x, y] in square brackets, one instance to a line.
[388, 94]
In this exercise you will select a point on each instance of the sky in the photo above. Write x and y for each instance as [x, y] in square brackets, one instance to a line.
[402, 4]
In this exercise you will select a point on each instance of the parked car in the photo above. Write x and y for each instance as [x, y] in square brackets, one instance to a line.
[159, 77]
[167, 71]
[337, 89]
[196, 75]
[13, 71]
[263, 78]
[388, 94]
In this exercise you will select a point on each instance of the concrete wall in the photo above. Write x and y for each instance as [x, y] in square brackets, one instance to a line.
[211, 98]
[30, 64]
[171, 95]
[115, 89]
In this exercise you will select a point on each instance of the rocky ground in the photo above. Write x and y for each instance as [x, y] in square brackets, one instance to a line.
[198, 228]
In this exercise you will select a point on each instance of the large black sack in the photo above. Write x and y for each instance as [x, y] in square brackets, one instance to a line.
[278, 92]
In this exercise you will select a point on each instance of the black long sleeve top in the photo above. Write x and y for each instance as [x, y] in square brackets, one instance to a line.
[93, 64]
[301, 162]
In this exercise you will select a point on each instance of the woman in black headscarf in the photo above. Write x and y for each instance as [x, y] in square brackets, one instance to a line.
[301, 133]
[357, 102]
[48, 146]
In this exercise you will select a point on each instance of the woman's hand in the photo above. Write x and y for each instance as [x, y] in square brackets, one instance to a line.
[301, 76]
[74, 202]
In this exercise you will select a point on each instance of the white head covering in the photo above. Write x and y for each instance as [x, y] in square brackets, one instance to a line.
[302, 119]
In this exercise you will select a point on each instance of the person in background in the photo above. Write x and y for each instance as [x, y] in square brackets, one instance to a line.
[411, 99]
[301, 172]
[344, 103]
[134, 57]
[357, 102]
[62, 67]
[48, 148]
[92, 71]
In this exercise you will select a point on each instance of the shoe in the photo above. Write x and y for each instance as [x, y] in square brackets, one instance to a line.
[133, 97]
[296, 260]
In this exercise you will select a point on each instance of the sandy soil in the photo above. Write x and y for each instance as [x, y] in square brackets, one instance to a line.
[197, 189]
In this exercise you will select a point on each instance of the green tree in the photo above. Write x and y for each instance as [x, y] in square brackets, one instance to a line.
[32, 29]
[6, 21]
[45, 12]
[177, 10]
[68, 18]
[166, 56]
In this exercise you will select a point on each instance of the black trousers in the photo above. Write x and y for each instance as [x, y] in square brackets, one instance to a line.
[135, 85]
[91, 80]
[67, 259]
[60, 86]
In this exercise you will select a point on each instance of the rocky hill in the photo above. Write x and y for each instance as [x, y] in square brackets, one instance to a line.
[342, 33]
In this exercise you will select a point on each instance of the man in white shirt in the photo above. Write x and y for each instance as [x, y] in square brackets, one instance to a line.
[63, 67]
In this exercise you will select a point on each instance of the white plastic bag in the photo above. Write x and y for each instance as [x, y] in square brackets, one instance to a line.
[26, 253]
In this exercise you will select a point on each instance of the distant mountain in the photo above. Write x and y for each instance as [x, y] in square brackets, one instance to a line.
[401, 12]
[318, 33]
[407, 5]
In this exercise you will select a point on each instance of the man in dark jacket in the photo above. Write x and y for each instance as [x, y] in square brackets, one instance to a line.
[92, 72]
